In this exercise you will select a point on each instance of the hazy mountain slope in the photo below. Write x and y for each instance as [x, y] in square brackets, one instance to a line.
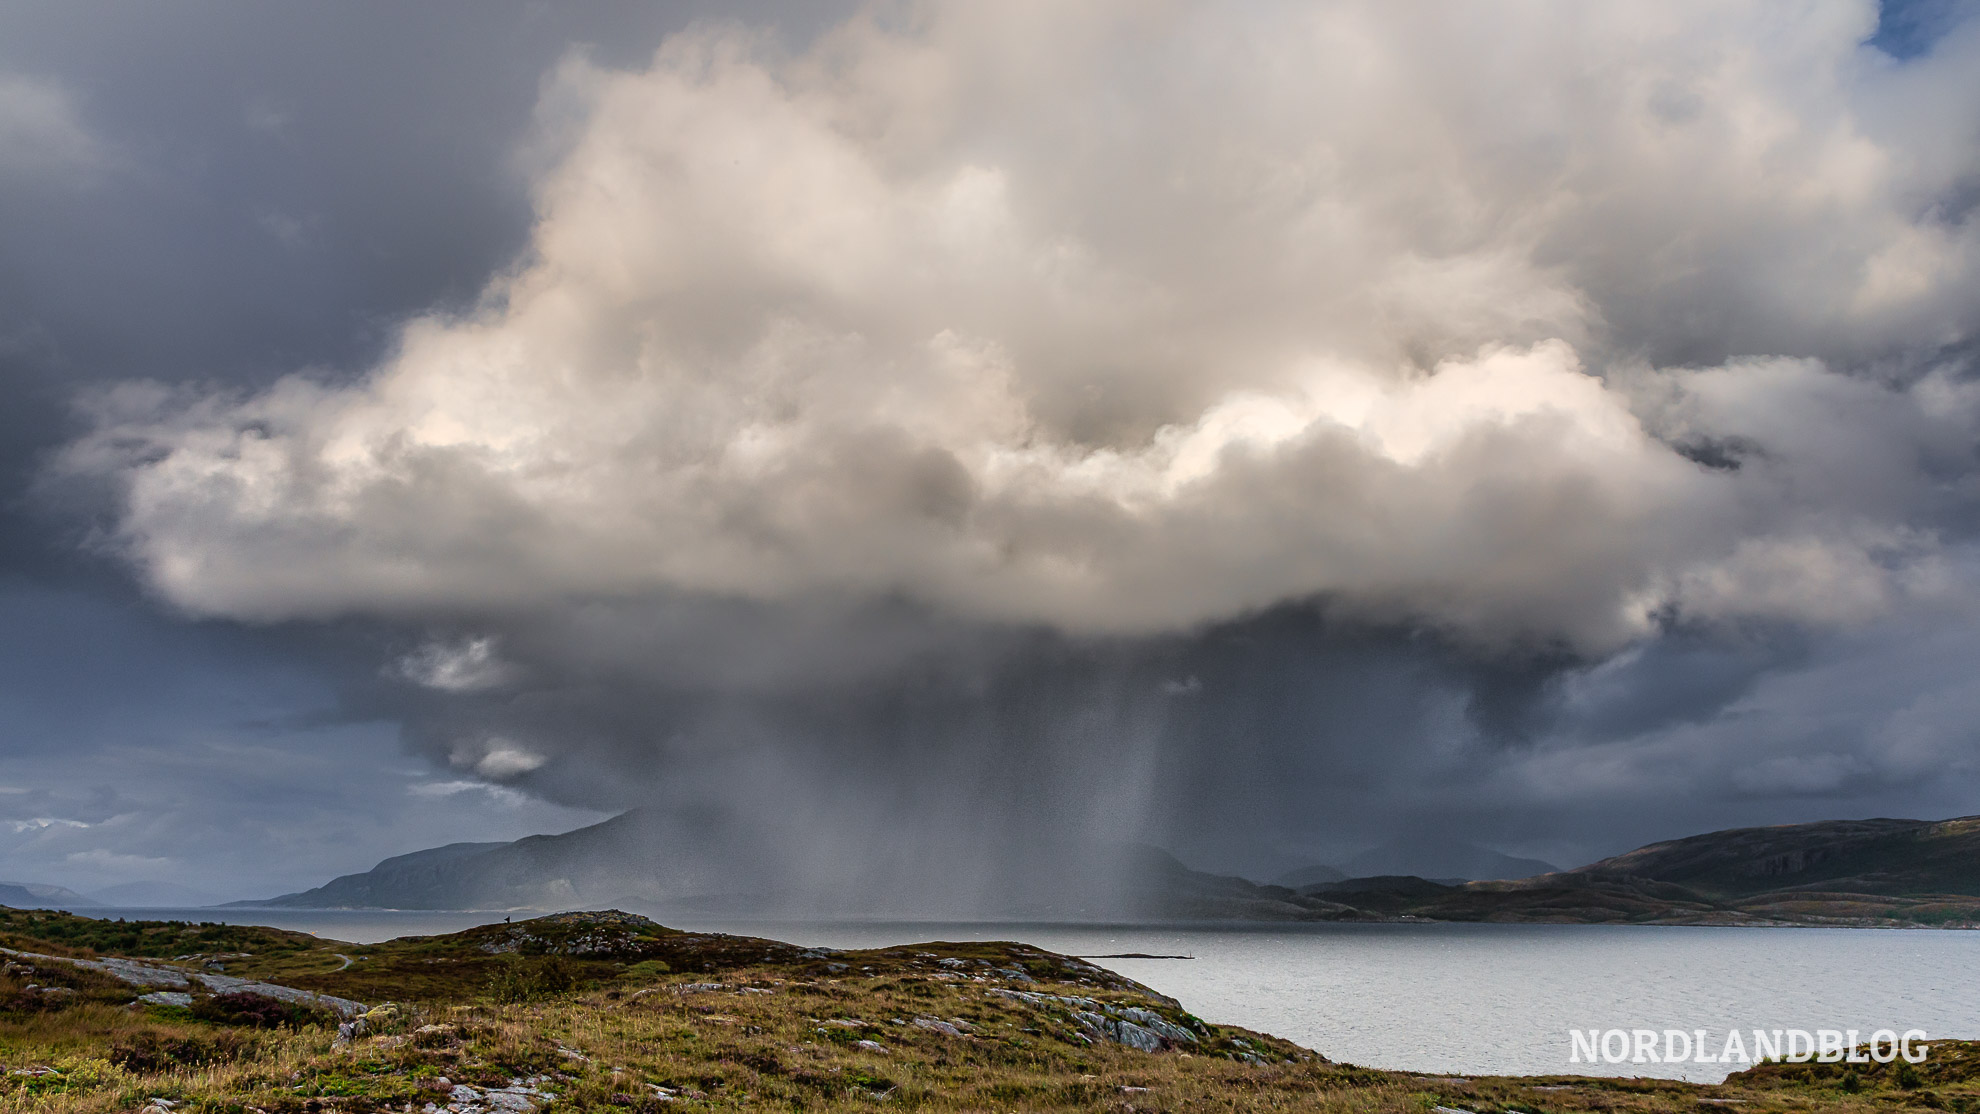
[648, 859]
[1388, 893]
[41, 895]
[641, 856]
[1160, 887]
[427, 879]
[1835, 872]
[154, 895]
[1310, 876]
[1883, 856]
[1435, 857]
[1579, 899]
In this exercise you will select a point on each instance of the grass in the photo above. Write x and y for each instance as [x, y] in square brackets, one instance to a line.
[615, 1014]
[66, 934]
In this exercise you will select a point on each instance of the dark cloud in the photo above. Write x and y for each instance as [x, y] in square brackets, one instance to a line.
[135, 747]
[224, 194]
[1908, 28]
[1702, 560]
[950, 752]
[265, 191]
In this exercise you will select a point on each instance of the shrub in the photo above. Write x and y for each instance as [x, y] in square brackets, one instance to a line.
[243, 1007]
[150, 1051]
[386, 1017]
[531, 980]
[646, 970]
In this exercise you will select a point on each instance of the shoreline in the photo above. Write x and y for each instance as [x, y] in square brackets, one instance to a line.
[329, 965]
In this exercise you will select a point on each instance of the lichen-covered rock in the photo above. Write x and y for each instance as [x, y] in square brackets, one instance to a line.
[519, 1097]
[937, 1025]
[1120, 1032]
[1149, 1019]
[1133, 1026]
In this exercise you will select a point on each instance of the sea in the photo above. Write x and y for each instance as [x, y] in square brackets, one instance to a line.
[1443, 999]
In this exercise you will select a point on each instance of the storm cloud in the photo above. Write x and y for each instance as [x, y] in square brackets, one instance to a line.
[971, 432]
[1117, 322]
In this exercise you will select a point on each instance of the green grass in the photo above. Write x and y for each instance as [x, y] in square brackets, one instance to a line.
[67, 934]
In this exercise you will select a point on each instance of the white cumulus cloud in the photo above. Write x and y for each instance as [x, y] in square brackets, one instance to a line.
[466, 665]
[1123, 318]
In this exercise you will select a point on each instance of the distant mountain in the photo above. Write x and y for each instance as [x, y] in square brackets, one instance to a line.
[1432, 857]
[1836, 872]
[1160, 887]
[437, 878]
[1383, 893]
[40, 895]
[1568, 898]
[647, 859]
[462, 875]
[1863, 872]
[1309, 876]
[1891, 858]
[154, 895]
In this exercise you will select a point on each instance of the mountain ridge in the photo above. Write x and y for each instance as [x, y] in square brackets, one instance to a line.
[42, 895]
[1427, 857]
[1877, 871]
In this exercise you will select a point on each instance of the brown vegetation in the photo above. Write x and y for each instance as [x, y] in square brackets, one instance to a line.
[609, 1012]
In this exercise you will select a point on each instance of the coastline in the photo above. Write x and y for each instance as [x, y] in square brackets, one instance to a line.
[904, 975]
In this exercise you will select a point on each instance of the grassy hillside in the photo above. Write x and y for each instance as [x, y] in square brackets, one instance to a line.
[1891, 858]
[611, 1012]
[1868, 873]
[67, 934]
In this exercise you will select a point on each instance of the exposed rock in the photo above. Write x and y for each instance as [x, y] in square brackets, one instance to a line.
[148, 974]
[1120, 1032]
[382, 1018]
[937, 1025]
[520, 1096]
[1149, 1019]
[1129, 1025]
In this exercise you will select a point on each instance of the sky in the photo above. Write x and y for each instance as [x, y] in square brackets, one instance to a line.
[951, 436]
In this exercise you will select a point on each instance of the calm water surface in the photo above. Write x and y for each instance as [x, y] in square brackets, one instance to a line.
[1443, 998]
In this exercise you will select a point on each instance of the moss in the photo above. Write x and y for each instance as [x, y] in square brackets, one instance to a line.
[646, 970]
